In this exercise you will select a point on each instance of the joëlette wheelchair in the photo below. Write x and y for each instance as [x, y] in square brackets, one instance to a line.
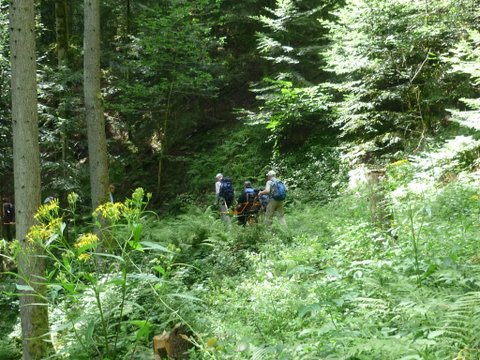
[248, 212]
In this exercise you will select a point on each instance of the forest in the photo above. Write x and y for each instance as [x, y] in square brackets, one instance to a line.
[133, 132]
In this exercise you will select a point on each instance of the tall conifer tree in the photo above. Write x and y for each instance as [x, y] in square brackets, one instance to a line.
[26, 154]
[97, 143]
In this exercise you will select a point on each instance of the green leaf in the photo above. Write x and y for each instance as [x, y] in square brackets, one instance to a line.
[89, 332]
[109, 256]
[159, 269]
[312, 309]
[137, 232]
[24, 287]
[148, 245]
[186, 296]
[436, 333]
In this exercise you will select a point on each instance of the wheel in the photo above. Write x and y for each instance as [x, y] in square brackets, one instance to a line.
[251, 220]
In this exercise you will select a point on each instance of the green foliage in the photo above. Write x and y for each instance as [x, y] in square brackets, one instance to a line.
[93, 282]
[313, 172]
[61, 132]
[465, 59]
[342, 289]
[239, 153]
[9, 347]
[9, 351]
[287, 111]
[330, 285]
[394, 83]
[318, 180]
[164, 73]
[291, 101]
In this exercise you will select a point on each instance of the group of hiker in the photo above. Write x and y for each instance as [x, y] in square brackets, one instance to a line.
[251, 201]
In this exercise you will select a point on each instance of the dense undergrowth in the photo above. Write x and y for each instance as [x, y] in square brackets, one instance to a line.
[330, 285]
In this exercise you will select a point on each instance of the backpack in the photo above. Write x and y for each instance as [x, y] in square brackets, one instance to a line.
[278, 190]
[250, 194]
[226, 190]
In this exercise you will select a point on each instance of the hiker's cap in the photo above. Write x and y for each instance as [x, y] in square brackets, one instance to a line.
[271, 173]
[219, 176]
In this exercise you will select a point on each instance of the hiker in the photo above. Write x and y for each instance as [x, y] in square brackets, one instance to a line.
[8, 219]
[111, 190]
[277, 193]
[224, 196]
[245, 202]
[263, 201]
[49, 199]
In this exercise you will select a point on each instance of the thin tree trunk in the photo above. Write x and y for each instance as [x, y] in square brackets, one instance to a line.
[163, 137]
[26, 161]
[97, 144]
[163, 140]
[128, 16]
[62, 35]
[61, 31]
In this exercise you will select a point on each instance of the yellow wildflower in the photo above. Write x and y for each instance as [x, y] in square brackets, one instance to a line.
[55, 224]
[47, 211]
[86, 241]
[399, 162]
[212, 342]
[475, 197]
[84, 257]
[111, 211]
[39, 233]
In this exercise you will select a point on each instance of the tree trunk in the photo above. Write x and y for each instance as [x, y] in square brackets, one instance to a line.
[381, 217]
[61, 31]
[62, 35]
[128, 16]
[26, 162]
[97, 143]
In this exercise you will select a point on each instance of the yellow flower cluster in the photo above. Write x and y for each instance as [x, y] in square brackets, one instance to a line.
[399, 162]
[47, 211]
[475, 197]
[39, 233]
[84, 257]
[111, 211]
[43, 232]
[86, 241]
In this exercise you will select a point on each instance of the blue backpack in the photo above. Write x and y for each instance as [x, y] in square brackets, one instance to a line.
[278, 190]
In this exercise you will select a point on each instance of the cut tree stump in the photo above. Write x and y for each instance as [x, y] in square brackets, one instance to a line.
[379, 210]
[173, 345]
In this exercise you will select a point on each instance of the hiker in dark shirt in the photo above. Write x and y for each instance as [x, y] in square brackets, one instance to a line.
[8, 219]
[224, 195]
[245, 202]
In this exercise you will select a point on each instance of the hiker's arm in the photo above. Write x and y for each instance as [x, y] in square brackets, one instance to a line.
[266, 191]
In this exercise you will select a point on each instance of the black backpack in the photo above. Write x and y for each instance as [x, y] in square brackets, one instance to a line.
[226, 190]
[250, 195]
